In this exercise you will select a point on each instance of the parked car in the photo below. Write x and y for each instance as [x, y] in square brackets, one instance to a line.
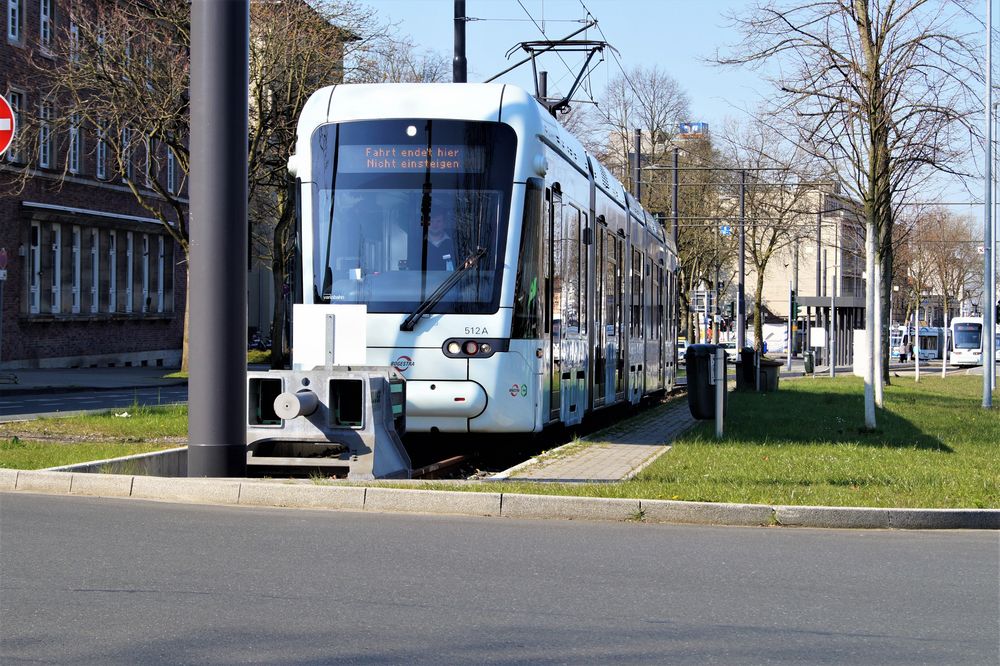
[681, 349]
[732, 353]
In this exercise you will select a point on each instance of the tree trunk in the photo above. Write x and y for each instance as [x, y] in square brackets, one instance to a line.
[870, 345]
[880, 371]
[758, 324]
[886, 296]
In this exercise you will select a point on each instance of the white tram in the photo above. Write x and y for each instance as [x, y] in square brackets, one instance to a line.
[967, 341]
[506, 274]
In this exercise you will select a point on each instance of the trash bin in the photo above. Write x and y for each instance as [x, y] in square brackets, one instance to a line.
[809, 359]
[769, 371]
[700, 384]
[744, 370]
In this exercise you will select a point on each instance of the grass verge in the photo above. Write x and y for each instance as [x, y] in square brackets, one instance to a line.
[63, 441]
[934, 447]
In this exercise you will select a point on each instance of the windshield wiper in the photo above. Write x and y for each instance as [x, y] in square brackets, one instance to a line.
[411, 321]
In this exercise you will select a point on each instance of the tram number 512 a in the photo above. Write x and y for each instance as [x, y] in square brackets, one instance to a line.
[476, 330]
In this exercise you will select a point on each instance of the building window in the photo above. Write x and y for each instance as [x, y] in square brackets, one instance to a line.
[95, 271]
[126, 154]
[45, 135]
[16, 101]
[35, 269]
[112, 271]
[74, 42]
[56, 283]
[145, 273]
[148, 166]
[74, 144]
[101, 153]
[76, 250]
[171, 171]
[14, 20]
[129, 271]
[45, 22]
[160, 266]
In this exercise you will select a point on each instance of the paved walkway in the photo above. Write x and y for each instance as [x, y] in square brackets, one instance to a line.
[616, 453]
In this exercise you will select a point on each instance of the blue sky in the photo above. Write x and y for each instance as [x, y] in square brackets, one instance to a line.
[675, 36]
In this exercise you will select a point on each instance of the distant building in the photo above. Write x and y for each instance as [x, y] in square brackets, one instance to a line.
[826, 262]
[92, 279]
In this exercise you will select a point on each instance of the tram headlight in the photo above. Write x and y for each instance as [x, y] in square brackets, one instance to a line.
[454, 348]
[471, 347]
[485, 348]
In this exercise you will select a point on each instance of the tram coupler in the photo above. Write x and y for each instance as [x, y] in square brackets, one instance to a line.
[346, 419]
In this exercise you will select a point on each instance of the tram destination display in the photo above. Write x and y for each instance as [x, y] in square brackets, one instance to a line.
[395, 158]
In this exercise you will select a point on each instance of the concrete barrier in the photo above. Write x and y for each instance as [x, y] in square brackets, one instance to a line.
[211, 491]
[438, 501]
[298, 495]
[705, 513]
[562, 506]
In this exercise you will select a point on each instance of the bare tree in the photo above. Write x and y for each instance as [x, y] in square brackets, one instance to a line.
[295, 49]
[881, 90]
[397, 60]
[646, 99]
[775, 197]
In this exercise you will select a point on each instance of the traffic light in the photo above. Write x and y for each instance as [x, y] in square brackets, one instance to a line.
[731, 310]
[794, 307]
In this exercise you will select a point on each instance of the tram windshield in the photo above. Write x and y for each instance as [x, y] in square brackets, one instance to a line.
[400, 206]
[968, 336]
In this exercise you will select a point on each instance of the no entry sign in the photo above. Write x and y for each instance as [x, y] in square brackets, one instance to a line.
[6, 124]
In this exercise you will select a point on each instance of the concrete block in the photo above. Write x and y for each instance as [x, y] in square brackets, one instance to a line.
[944, 519]
[35, 481]
[8, 479]
[101, 485]
[573, 508]
[212, 491]
[705, 513]
[825, 516]
[432, 501]
[299, 495]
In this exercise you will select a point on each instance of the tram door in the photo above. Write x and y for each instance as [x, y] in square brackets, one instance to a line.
[553, 274]
[568, 340]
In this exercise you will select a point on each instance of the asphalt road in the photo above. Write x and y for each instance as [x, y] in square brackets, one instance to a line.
[14, 404]
[100, 581]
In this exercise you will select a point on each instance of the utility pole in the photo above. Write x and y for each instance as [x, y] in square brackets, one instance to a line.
[458, 63]
[220, 39]
[989, 307]
[741, 303]
[636, 182]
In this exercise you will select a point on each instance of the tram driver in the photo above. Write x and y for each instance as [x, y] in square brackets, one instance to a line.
[440, 245]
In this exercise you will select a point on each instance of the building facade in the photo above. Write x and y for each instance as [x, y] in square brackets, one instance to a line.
[92, 279]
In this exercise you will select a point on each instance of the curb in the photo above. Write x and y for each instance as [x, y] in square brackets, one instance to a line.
[6, 391]
[376, 498]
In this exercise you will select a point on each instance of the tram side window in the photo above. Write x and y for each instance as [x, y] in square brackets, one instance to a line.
[528, 291]
[572, 266]
[636, 323]
[610, 286]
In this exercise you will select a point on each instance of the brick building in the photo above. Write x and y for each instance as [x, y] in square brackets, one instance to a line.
[92, 279]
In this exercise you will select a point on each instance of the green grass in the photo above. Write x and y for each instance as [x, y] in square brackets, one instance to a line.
[62, 441]
[934, 447]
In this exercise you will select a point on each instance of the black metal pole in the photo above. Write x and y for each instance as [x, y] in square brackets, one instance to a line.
[636, 183]
[220, 33]
[741, 301]
[458, 65]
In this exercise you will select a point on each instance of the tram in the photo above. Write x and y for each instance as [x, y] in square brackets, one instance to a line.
[967, 341]
[502, 270]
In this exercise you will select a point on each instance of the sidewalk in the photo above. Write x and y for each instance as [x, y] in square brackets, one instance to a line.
[616, 453]
[51, 380]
